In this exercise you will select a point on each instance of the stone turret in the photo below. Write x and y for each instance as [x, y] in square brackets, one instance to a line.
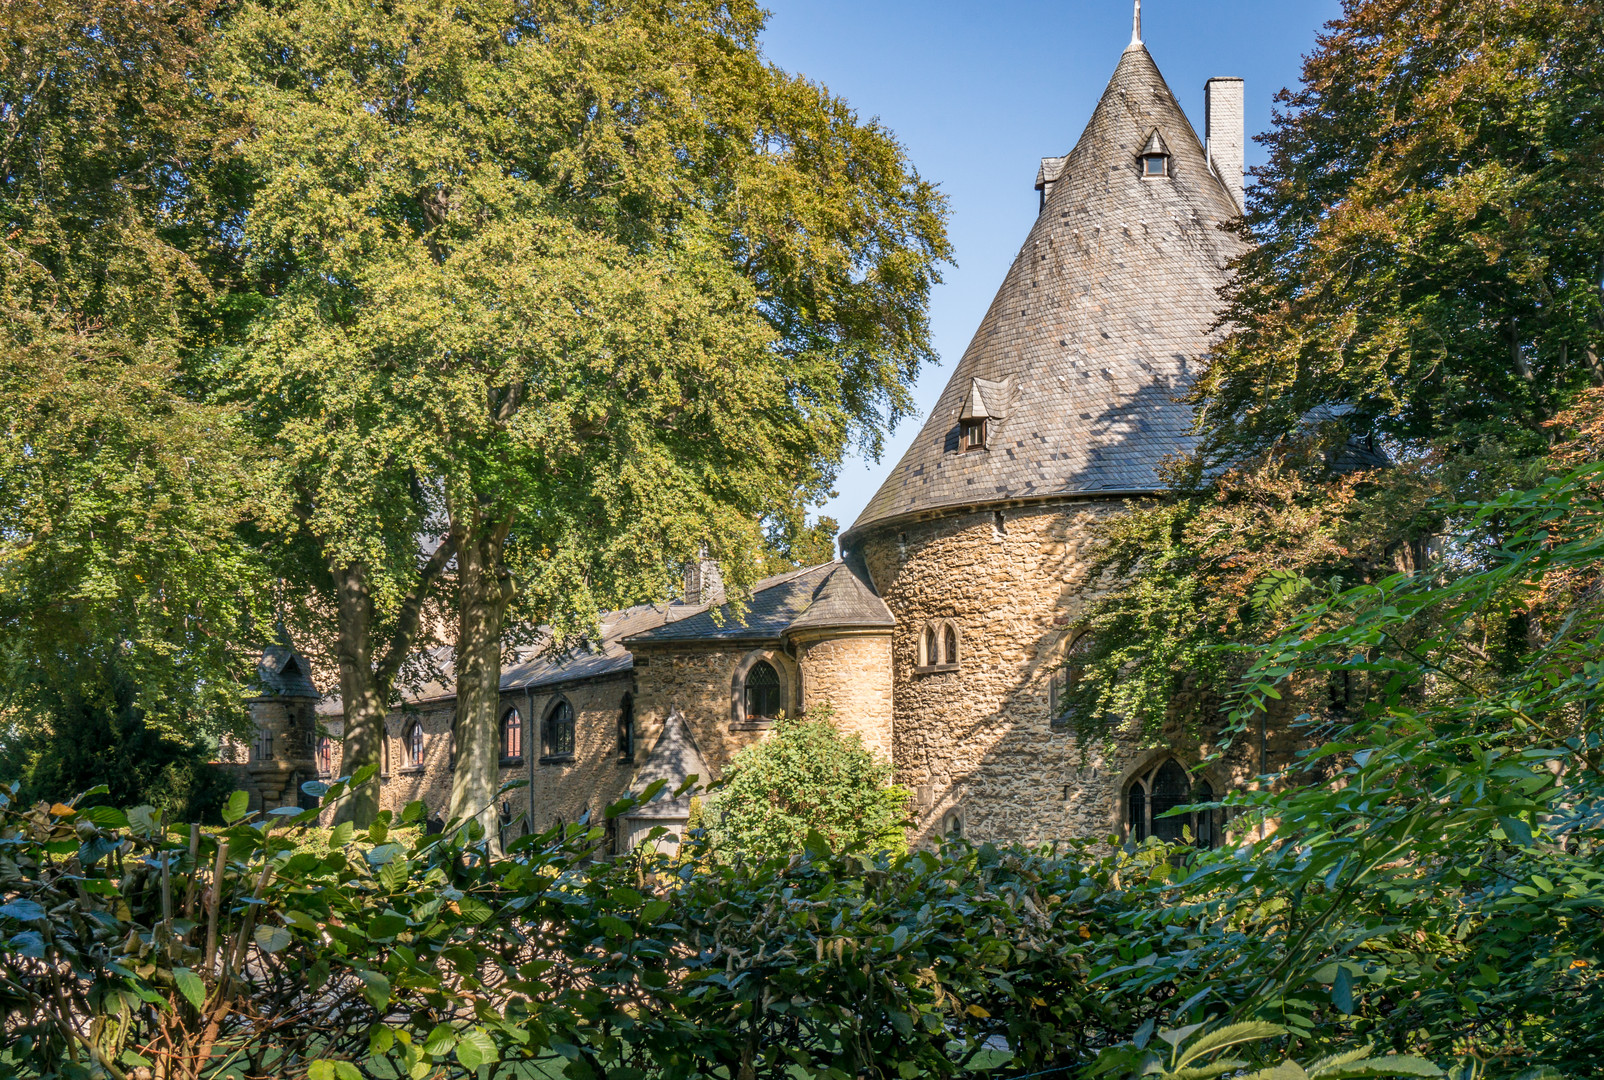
[1068, 399]
[282, 754]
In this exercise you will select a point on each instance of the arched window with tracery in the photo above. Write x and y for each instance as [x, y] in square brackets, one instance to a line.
[949, 645]
[762, 696]
[930, 651]
[512, 736]
[412, 745]
[325, 756]
[1156, 791]
[557, 733]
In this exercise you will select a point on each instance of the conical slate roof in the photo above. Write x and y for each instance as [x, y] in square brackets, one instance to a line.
[1098, 326]
[283, 672]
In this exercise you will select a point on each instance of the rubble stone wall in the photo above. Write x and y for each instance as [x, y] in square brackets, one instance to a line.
[851, 673]
[976, 744]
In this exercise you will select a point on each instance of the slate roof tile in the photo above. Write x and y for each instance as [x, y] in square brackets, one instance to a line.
[1100, 323]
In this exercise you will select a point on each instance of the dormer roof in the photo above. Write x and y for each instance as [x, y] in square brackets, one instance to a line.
[1100, 324]
[284, 673]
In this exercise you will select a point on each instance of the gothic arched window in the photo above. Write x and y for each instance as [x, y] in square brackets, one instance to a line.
[325, 756]
[1151, 796]
[412, 745]
[938, 645]
[512, 736]
[763, 696]
[557, 733]
[626, 729]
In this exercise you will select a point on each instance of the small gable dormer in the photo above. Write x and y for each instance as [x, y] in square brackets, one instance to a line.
[1155, 157]
[987, 405]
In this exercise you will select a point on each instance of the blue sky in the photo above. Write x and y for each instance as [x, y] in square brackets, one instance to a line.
[980, 92]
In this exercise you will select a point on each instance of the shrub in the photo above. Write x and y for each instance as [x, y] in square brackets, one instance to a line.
[808, 777]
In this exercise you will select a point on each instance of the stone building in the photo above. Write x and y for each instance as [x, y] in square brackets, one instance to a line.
[942, 635]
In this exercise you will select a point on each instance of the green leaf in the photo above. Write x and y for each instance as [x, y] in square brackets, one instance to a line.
[237, 807]
[1231, 1035]
[190, 985]
[476, 1048]
[393, 875]
[376, 988]
[1342, 991]
[22, 910]
[414, 811]
[341, 835]
[272, 939]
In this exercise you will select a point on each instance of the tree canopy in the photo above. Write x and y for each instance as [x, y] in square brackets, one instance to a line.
[582, 290]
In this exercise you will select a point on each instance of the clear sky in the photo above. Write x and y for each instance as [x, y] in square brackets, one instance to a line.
[979, 92]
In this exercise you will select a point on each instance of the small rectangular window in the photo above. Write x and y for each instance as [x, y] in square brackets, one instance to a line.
[974, 434]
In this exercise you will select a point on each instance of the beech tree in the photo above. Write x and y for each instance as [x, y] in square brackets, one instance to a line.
[596, 281]
[123, 571]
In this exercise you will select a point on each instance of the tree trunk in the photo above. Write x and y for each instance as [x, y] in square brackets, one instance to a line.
[361, 697]
[365, 685]
[484, 591]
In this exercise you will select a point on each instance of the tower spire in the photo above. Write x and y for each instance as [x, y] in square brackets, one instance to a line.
[1136, 26]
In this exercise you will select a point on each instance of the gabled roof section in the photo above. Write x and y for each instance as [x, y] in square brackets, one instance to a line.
[1101, 321]
[833, 595]
[773, 604]
[673, 760]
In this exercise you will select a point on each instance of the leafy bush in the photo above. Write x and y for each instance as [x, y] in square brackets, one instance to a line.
[90, 731]
[808, 777]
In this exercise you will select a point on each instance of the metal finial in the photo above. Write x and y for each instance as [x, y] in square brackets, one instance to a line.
[1136, 24]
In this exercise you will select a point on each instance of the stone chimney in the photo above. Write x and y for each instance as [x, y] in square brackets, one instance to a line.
[1223, 120]
[703, 582]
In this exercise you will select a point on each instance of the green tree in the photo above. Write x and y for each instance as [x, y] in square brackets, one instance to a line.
[596, 282]
[807, 777]
[122, 493]
[87, 731]
[1424, 284]
[1428, 233]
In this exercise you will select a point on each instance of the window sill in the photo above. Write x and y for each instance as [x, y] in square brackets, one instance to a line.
[556, 759]
[509, 762]
[751, 725]
[411, 770]
[936, 669]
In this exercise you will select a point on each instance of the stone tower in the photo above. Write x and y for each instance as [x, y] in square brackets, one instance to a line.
[1064, 404]
[282, 753]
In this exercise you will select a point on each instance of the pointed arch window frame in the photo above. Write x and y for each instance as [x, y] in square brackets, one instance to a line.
[790, 688]
[511, 735]
[558, 727]
[414, 746]
[1141, 792]
[939, 647]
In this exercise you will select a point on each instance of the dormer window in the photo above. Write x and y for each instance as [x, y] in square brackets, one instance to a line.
[1155, 157]
[985, 406]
